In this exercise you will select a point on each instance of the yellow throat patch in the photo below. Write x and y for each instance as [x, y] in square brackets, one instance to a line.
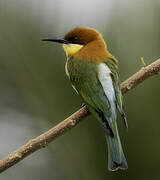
[71, 49]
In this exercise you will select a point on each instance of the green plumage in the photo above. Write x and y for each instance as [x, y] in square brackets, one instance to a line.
[84, 77]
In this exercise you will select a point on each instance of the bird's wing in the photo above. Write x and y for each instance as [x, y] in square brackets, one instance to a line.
[115, 79]
[97, 91]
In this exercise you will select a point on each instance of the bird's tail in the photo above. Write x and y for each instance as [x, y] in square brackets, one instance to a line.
[116, 158]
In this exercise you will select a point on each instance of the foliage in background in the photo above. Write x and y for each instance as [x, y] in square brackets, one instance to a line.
[36, 94]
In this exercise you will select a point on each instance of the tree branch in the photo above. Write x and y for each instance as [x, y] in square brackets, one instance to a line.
[44, 139]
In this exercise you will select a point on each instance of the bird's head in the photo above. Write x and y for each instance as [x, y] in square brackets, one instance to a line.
[82, 35]
[80, 38]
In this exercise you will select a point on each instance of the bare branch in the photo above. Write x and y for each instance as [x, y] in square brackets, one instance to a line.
[44, 139]
[140, 76]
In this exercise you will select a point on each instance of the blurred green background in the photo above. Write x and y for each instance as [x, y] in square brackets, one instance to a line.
[35, 93]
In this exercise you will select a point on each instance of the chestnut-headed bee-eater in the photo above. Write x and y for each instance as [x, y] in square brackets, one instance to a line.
[93, 72]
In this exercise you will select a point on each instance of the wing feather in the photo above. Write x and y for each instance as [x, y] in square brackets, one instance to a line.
[115, 79]
[107, 84]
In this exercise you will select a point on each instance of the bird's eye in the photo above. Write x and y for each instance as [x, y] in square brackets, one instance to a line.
[73, 39]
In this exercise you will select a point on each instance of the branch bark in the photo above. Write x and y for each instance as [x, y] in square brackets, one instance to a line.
[44, 139]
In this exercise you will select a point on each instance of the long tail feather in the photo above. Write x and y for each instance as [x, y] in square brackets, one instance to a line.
[116, 158]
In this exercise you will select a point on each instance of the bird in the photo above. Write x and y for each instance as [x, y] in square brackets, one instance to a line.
[93, 72]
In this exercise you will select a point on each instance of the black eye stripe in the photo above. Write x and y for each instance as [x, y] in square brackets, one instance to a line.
[73, 38]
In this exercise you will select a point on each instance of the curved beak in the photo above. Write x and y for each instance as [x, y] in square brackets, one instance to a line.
[62, 41]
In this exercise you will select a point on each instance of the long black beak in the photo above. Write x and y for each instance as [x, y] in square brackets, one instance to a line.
[62, 41]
